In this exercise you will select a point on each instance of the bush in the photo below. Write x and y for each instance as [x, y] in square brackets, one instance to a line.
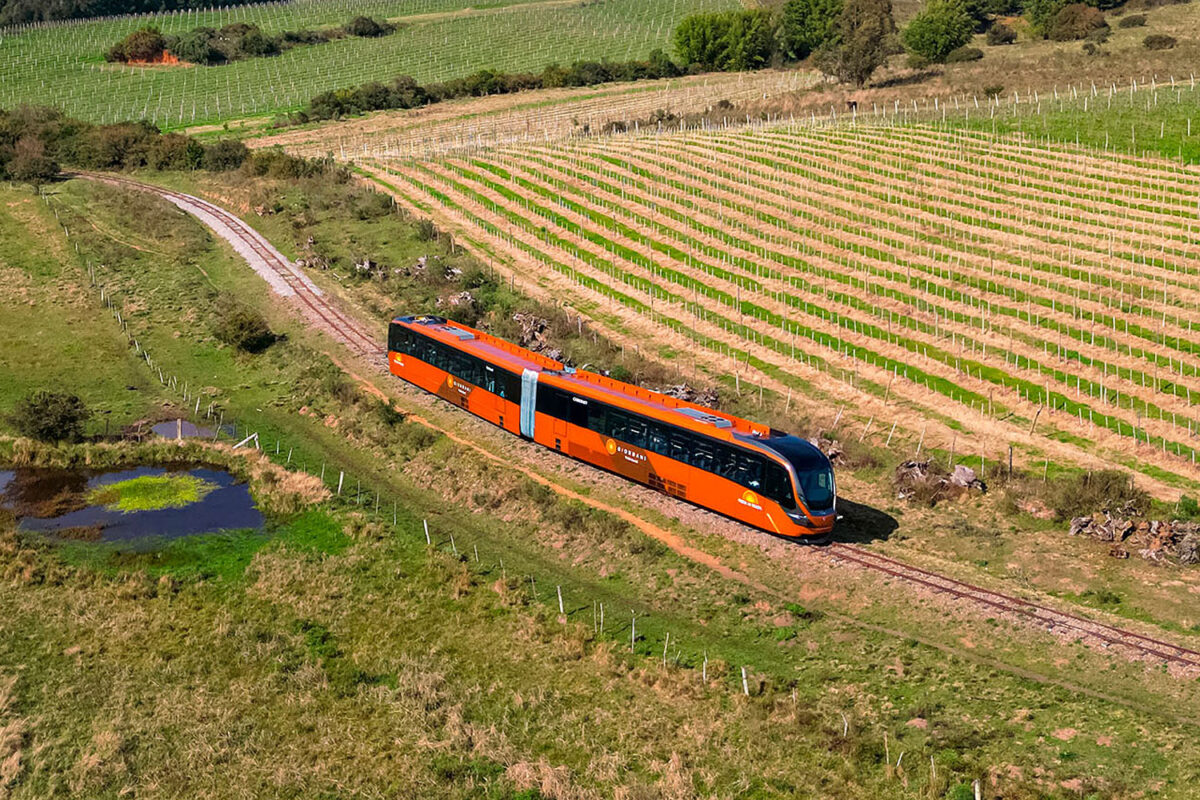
[1092, 49]
[994, 90]
[963, 54]
[1132, 21]
[917, 61]
[50, 417]
[1000, 34]
[1110, 491]
[242, 327]
[1159, 41]
[1076, 21]
[30, 164]
[197, 47]
[225, 155]
[146, 44]
[365, 26]
[944, 26]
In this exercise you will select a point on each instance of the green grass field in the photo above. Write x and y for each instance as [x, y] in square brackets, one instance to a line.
[63, 66]
[339, 656]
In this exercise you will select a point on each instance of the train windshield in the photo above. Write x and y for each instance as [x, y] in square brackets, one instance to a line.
[812, 470]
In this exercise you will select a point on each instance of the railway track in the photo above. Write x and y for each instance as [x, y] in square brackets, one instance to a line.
[287, 279]
[1051, 619]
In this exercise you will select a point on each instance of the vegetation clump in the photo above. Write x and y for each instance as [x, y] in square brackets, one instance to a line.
[50, 416]
[234, 42]
[941, 28]
[144, 45]
[1076, 21]
[151, 493]
[1159, 41]
[1000, 34]
[241, 326]
[1132, 21]
[964, 54]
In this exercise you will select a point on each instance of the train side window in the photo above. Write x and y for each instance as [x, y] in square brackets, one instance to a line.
[636, 431]
[579, 411]
[679, 447]
[656, 439]
[598, 418]
[726, 463]
[778, 486]
[750, 470]
[701, 456]
[490, 384]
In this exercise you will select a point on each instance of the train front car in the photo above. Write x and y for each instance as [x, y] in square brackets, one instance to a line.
[814, 508]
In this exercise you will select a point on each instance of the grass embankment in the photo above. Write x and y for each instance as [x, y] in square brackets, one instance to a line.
[344, 644]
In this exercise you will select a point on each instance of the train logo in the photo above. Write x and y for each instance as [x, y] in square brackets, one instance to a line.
[749, 498]
[611, 447]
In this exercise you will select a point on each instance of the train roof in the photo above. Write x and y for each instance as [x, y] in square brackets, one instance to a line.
[665, 408]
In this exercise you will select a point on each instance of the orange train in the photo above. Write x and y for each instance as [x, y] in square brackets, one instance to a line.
[760, 476]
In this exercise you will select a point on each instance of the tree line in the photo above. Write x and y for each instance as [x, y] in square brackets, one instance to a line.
[37, 143]
[850, 39]
[404, 92]
[234, 42]
[17, 12]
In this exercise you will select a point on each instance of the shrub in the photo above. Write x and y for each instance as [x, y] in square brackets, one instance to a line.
[1000, 33]
[994, 90]
[1103, 491]
[197, 47]
[30, 164]
[224, 155]
[242, 327]
[1076, 21]
[1092, 49]
[368, 27]
[944, 26]
[145, 44]
[963, 54]
[1159, 41]
[916, 61]
[50, 417]
[1132, 21]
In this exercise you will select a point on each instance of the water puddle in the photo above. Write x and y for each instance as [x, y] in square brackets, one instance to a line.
[127, 505]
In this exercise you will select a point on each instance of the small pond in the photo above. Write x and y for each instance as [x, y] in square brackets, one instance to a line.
[127, 505]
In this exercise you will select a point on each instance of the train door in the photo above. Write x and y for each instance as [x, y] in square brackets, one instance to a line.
[529, 383]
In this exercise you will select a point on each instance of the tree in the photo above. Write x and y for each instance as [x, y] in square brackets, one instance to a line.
[30, 164]
[729, 40]
[1076, 21]
[806, 25]
[701, 39]
[865, 33]
[224, 155]
[944, 26]
[50, 417]
[365, 26]
[1040, 13]
[145, 44]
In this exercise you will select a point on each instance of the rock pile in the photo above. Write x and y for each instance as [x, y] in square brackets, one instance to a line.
[690, 394]
[1172, 541]
[925, 481]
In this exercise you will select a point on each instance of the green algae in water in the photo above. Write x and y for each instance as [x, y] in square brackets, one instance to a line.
[151, 493]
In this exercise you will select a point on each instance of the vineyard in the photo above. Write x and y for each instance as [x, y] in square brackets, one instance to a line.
[62, 65]
[974, 291]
